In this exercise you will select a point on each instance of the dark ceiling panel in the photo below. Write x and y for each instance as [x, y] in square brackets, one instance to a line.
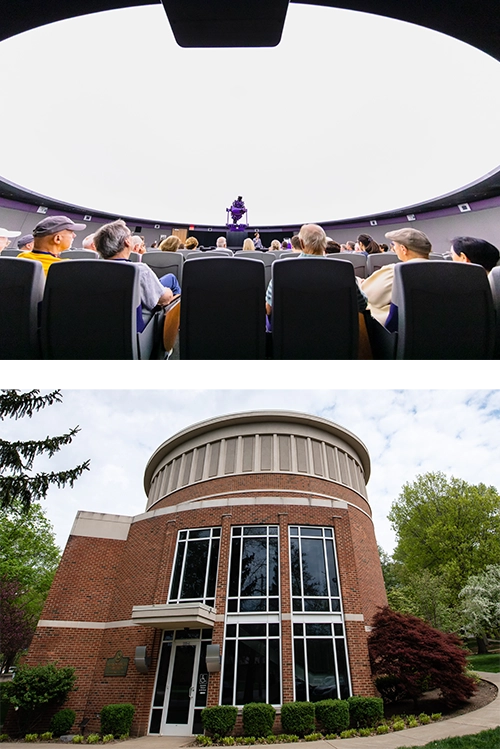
[226, 23]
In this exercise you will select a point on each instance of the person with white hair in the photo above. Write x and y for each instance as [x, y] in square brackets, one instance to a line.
[88, 243]
[138, 244]
[313, 244]
[221, 242]
[5, 237]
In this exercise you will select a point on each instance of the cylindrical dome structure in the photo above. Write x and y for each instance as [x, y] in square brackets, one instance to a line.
[252, 576]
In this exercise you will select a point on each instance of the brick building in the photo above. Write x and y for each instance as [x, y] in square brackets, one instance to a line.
[252, 576]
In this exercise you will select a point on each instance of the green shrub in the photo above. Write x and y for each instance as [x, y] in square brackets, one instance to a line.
[412, 722]
[203, 740]
[424, 719]
[219, 719]
[271, 738]
[78, 739]
[258, 719]
[33, 686]
[227, 741]
[4, 701]
[47, 736]
[124, 736]
[436, 716]
[365, 712]
[382, 729]
[331, 736]
[117, 719]
[93, 738]
[288, 738]
[62, 721]
[31, 737]
[348, 734]
[398, 725]
[107, 738]
[365, 731]
[313, 737]
[298, 717]
[4, 737]
[333, 715]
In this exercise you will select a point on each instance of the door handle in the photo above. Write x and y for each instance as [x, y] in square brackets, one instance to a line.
[191, 692]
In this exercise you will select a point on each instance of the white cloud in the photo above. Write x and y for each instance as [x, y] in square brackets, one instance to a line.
[407, 432]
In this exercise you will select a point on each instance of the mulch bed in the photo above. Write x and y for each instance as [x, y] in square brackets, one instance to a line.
[431, 703]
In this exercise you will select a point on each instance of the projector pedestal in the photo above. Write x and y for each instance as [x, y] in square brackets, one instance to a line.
[235, 239]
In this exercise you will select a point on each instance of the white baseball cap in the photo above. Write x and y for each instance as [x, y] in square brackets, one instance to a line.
[7, 233]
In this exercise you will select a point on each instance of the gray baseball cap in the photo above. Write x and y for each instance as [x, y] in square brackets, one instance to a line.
[23, 241]
[412, 238]
[53, 224]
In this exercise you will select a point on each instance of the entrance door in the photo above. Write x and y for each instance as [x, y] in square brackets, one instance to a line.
[181, 688]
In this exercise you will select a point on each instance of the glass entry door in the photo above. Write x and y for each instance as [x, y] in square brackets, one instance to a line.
[181, 689]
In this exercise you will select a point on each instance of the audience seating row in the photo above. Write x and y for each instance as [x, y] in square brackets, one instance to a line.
[90, 309]
[86, 309]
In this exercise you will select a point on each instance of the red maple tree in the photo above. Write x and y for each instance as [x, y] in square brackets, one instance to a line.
[419, 657]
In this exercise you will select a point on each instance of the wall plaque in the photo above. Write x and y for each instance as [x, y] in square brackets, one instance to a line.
[116, 666]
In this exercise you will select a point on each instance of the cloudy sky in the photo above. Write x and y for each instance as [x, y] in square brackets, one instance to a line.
[351, 114]
[407, 433]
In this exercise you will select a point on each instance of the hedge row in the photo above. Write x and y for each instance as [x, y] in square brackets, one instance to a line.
[297, 718]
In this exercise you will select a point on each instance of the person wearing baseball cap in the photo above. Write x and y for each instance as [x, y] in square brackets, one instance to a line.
[409, 245]
[5, 237]
[25, 243]
[51, 236]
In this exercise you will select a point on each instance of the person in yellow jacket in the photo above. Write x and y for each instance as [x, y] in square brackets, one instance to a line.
[51, 236]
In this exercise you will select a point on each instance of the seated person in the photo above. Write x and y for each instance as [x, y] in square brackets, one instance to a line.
[114, 242]
[410, 245]
[191, 243]
[26, 243]
[472, 250]
[51, 236]
[5, 237]
[170, 244]
[331, 246]
[313, 243]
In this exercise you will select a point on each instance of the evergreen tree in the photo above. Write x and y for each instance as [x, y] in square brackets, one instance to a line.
[19, 485]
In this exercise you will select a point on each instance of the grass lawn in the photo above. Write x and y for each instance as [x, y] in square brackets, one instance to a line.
[489, 662]
[484, 740]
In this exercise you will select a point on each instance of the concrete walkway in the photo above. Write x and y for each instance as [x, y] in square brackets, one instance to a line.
[473, 722]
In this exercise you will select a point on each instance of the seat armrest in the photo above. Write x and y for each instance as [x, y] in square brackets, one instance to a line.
[383, 342]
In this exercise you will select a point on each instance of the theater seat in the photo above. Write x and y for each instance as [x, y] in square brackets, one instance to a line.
[357, 259]
[445, 311]
[10, 252]
[223, 309]
[165, 262]
[267, 258]
[21, 291]
[494, 278]
[378, 260]
[80, 255]
[315, 310]
[92, 310]
[221, 252]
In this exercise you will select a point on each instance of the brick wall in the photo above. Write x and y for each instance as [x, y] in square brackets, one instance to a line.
[100, 580]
